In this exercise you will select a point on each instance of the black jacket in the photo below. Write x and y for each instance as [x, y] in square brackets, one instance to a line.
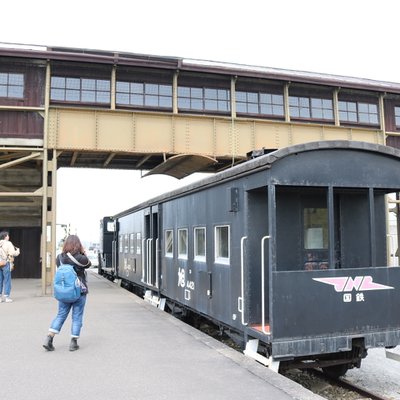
[63, 258]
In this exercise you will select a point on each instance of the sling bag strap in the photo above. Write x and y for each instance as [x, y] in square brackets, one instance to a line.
[72, 258]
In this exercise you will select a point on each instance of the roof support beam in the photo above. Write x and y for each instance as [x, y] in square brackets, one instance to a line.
[19, 160]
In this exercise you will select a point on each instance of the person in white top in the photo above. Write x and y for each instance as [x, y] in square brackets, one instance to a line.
[7, 250]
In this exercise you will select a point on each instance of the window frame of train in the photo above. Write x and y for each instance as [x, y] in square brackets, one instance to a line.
[9, 83]
[200, 255]
[218, 249]
[121, 243]
[138, 243]
[183, 251]
[169, 243]
[315, 236]
[132, 244]
[348, 231]
[126, 243]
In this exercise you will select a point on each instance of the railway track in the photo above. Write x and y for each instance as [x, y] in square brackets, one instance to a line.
[323, 385]
[332, 388]
[361, 391]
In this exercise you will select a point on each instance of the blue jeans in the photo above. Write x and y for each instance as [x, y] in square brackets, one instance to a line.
[77, 316]
[5, 278]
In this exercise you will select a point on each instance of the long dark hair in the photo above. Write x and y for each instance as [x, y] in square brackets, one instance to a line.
[72, 245]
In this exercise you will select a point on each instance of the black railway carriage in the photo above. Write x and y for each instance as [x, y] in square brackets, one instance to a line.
[289, 250]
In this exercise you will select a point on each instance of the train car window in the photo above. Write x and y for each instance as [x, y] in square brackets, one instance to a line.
[200, 244]
[222, 244]
[182, 243]
[132, 243]
[316, 240]
[138, 243]
[315, 228]
[126, 247]
[110, 226]
[121, 243]
[169, 243]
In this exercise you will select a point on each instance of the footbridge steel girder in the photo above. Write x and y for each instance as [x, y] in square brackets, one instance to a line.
[145, 133]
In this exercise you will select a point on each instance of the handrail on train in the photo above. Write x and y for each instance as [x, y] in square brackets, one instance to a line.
[157, 264]
[143, 257]
[392, 255]
[263, 282]
[241, 309]
[149, 262]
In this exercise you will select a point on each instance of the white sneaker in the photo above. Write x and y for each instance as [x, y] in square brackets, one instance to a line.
[1, 299]
[8, 300]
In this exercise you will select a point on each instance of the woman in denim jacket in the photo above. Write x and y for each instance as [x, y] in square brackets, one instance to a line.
[80, 262]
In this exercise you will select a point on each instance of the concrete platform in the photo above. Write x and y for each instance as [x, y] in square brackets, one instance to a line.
[128, 349]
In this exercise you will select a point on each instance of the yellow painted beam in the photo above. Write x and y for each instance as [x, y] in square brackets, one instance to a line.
[116, 131]
[20, 160]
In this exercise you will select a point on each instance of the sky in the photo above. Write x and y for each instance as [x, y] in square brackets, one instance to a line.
[358, 38]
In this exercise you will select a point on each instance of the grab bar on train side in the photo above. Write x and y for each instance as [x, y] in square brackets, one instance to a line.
[149, 261]
[143, 257]
[157, 266]
[242, 278]
[263, 282]
[114, 257]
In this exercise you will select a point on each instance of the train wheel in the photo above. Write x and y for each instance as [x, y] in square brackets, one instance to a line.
[335, 371]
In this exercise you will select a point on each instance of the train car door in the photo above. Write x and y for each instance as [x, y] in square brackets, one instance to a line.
[255, 265]
[150, 247]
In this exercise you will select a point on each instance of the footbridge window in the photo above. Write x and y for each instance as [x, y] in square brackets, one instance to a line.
[259, 103]
[204, 99]
[358, 112]
[397, 116]
[82, 90]
[11, 85]
[142, 94]
[311, 107]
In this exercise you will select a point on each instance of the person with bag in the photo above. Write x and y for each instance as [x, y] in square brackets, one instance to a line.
[7, 253]
[72, 254]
